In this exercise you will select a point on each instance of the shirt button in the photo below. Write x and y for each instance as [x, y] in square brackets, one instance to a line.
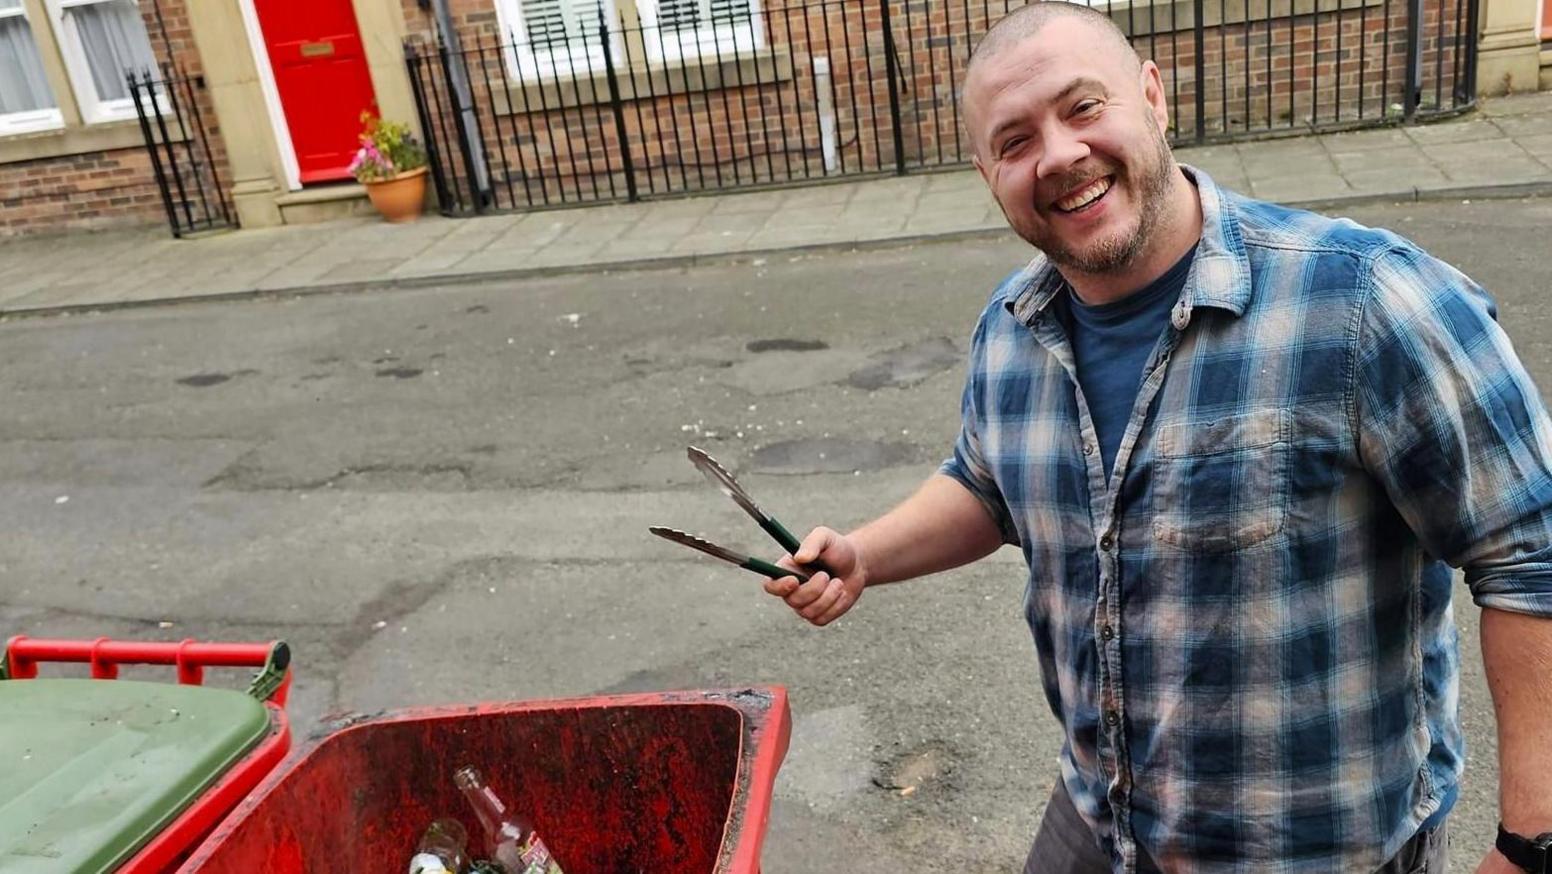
[1106, 542]
[1112, 718]
[1088, 449]
[1107, 632]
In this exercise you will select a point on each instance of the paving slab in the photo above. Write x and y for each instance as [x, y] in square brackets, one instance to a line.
[692, 207]
[1367, 140]
[431, 264]
[711, 243]
[498, 262]
[1519, 126]
[761, 202]
[1405, 183]
[1398, 162]
[1499, 172]
[871, 227]
[1503, 161]
[820, 195]
[655, 227]
[974, 199]
[1539, 147]
[1536, 103]
[746, 222]
[953, 180]
[1222, 164]
[922, 226]
[1309, 159]
[1305, 188]
[1470, 130]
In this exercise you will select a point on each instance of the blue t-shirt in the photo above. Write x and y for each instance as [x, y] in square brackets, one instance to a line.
[1111, 342]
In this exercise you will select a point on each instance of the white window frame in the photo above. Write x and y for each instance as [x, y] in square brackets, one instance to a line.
[94, 109]
[528, 63]
[31, 120]
[710, 41]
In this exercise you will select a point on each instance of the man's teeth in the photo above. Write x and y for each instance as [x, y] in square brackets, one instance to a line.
[1086, 196]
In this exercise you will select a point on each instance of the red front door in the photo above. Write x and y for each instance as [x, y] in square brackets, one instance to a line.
[320, 70]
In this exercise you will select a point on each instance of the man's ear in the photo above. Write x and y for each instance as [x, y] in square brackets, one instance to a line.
[980, 167]
[1152, 82]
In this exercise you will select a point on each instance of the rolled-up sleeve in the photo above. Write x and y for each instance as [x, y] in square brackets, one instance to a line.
[1451, 425]
[968, 465]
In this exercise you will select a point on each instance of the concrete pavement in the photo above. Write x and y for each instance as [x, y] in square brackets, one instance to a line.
[1503, 148]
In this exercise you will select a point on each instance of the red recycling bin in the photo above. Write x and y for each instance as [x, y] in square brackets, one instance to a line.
[665, 782]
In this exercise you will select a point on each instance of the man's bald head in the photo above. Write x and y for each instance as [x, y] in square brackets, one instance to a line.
[1024, 22]
[1067, 127]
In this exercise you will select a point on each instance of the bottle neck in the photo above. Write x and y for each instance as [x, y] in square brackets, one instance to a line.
[487, 806]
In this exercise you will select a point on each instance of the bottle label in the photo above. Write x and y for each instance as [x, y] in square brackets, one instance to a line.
[427, 863]
[537, 858]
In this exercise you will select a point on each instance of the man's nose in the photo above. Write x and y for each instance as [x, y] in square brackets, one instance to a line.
[1062, 150]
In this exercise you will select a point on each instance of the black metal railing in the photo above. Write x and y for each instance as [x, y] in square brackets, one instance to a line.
[810, 90]
[179, 146]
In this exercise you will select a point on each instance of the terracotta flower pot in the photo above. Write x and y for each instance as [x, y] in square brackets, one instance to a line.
[399, 199]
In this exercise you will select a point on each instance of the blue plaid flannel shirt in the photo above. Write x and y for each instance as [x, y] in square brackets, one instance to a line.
[1247, 633]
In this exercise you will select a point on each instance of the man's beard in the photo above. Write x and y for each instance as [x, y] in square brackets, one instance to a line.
[1115, 253]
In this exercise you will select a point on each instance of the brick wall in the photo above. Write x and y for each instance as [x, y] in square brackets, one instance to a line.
[115, 188]
[90, 191]
[1328, 69]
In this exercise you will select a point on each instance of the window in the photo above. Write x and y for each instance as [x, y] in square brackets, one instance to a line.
[26, 101]
[676, 29]
[556, 38]
[102, 42]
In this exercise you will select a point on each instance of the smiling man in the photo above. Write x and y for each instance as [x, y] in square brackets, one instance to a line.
[1240, 447]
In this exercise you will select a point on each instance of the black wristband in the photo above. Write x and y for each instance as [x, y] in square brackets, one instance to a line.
[1529, 854]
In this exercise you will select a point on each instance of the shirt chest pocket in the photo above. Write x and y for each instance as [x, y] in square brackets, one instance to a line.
[1221, 485]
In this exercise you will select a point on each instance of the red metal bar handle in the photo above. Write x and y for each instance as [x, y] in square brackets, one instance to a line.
[191, 657]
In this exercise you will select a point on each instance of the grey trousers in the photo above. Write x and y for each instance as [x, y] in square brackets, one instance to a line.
[1064, 845]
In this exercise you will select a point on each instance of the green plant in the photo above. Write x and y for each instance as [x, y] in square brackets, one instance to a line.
[387, 149]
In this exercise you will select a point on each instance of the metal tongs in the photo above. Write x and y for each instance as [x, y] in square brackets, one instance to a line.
[730, 487]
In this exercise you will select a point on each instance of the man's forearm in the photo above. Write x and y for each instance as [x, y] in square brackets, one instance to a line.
[942, 526]
[1517, 656]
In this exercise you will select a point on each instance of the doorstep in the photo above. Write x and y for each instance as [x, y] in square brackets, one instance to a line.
[324, 203]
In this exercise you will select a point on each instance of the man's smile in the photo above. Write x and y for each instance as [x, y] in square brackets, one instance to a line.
[1084, 198]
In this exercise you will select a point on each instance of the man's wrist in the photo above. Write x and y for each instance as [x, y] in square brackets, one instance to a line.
[860, 552]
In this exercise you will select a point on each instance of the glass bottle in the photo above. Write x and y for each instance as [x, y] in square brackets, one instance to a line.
[442, 850]
[511, 841]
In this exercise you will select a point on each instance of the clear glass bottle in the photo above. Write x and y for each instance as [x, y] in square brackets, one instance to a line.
[443, 849]
[511, 841]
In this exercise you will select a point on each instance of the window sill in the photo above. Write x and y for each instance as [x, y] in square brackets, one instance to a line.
[60, 142]
[1141, 18]
[647, 80]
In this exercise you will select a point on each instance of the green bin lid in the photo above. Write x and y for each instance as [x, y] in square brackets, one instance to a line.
[91, 769]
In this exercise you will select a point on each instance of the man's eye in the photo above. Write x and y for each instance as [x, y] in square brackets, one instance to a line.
[1085, 107]
[1011, 145]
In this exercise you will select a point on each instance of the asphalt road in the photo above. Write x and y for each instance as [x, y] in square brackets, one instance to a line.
[442, 495]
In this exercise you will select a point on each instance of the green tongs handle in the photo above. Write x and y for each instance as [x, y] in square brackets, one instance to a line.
[775, 572]
[782, 535]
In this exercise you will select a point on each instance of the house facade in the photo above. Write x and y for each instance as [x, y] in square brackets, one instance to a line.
[537, 102]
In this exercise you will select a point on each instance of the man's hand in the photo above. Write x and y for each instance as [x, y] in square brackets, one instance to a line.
[829, 593]
[1495, 863]
[942, 526]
